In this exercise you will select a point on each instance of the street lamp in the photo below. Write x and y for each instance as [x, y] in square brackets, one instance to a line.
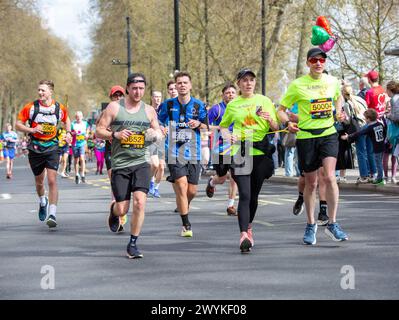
[129, 59]
[177, 36]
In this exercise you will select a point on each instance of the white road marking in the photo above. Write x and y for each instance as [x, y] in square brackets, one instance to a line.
[6, 196]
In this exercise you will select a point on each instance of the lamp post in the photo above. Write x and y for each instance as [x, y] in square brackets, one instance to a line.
[118, 62]
[263, 48]
[177, 36]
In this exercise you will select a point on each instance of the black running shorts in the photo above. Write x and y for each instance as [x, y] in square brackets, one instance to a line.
[311, 152]
[190, 170]
[131, 179]
[40, 161]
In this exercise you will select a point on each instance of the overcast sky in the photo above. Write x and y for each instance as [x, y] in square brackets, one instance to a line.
[66, 19]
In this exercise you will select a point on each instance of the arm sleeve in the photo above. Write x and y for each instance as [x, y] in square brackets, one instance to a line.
[163, 113]
[23, 115]
[289, 98]
[227, 119]
[364, 130]
[213, 113]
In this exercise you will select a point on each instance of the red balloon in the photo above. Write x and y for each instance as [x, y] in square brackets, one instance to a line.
[321, 21]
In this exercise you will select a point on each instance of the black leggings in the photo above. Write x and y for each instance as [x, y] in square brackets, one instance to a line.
[249, 187]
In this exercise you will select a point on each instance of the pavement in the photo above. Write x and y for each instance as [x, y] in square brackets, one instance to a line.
[81, 259]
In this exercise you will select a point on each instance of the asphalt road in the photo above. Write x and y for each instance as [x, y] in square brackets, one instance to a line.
[86, 261]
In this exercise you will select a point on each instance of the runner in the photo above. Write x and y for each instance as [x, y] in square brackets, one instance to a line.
[222, 170]
[184, 116]
[64, 152]
[316, 95]
[133, 125]
[157, 163]
[44, 115]
[79, 130]
[10, 138]
[253, 116]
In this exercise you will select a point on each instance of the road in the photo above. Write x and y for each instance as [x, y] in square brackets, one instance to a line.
[86, 261]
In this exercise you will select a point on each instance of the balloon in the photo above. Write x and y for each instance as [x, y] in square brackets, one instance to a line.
[321, 21]
[328, 45]
[319, 35]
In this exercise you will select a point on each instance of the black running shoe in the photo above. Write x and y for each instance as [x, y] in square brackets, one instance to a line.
[77, 179]
[113, 221]
[51, 221]
[133, 252]
[322, 219]
[298, 206]
[83, 179]
[209, 189]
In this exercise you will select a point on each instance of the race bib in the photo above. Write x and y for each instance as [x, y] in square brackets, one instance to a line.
[134, 141]
[183, 135]
[48, 129]
[80, 137]
[321, 108]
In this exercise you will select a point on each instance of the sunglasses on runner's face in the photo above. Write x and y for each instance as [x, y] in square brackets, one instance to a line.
[314, 60]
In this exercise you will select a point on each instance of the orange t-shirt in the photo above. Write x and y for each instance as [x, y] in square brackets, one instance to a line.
[46, 118]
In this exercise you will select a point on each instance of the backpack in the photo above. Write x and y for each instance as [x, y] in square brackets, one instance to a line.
[36, 111]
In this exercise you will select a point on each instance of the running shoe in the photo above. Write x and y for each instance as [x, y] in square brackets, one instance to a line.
[83, 179]
[156, 193]
[379, 182]
[152, 189]
[176, 210]
[245, 243]
[309, 237]
[335, 232]
[298, 206]
[231, 211]
[209, 189]
[77, 179]
[322, 219]
[133, 252]
[362, 180]
[250, 236]
[64, 175]
[51, 222]
[43, 211]
[186, 232]
[113, 221]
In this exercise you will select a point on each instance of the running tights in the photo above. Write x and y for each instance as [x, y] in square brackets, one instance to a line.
[249, 187]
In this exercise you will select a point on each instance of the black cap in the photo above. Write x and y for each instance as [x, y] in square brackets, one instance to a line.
[135, 78]
[315, 52]
[243, 72]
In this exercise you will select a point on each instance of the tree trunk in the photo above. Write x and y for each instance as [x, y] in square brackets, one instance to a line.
[305, 27]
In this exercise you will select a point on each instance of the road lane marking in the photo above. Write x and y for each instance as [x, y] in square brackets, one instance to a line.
[6, 196]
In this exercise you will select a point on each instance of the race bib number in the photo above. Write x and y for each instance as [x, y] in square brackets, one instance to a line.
[80, 137]
[48, 129]
[134, 141]
[321, 108]
[183, 135]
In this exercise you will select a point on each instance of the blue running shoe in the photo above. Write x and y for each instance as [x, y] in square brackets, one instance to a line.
[310, 234]
[335, 232]
[156, 193]
[152, 189]
[133, 252]
[43, 211]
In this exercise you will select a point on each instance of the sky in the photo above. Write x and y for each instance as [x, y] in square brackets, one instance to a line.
[65, 18]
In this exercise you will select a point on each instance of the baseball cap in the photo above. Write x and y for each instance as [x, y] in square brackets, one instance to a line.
[115, 89]
[243, 72]
[372, 75]
[314, 52]
[132, 78]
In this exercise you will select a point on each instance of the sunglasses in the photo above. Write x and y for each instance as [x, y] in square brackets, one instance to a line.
[314, 60]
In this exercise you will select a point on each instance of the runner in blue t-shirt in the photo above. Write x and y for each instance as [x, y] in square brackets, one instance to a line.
[220, 148]
[183, 116]
[10, 139]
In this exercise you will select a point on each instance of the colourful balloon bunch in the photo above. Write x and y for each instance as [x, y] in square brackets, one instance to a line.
[322, 35]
